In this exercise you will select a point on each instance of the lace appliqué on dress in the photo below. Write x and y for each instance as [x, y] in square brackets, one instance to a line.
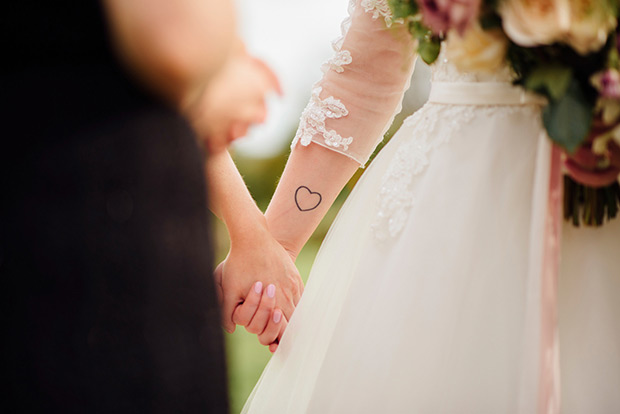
[313, 121]
[396, 195]
[379, 8]
[336, 63]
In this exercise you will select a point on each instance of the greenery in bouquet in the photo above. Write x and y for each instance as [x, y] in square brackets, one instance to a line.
[565, 50]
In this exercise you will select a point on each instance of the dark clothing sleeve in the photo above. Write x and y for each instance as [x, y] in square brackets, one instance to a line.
[109, 304]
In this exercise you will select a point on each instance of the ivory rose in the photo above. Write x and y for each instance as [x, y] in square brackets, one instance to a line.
[582, 24]
[477, 50]
[535, 22]
[591, 23]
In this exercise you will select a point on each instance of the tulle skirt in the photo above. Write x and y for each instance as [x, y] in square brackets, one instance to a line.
[425, 295]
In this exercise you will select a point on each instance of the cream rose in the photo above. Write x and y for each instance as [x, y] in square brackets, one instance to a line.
[477, 50]
[591, 22]
[535, 22]
[582, 24]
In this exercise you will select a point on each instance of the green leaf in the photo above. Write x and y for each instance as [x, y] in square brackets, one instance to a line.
[551, 80]
[429, 50]
[403, 8]
[419, 31]
[569, 118]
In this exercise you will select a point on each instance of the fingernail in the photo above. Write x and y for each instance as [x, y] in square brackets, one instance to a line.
[258, 287]
[271, 290]
[277, 315]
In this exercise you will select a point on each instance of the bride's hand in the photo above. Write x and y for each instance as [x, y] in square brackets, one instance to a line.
[260, 316]
[257, 256]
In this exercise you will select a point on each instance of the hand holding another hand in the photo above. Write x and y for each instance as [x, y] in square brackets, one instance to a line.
[260, 316]
[258, 257]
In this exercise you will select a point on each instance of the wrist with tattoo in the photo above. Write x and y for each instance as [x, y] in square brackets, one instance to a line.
[306, 199]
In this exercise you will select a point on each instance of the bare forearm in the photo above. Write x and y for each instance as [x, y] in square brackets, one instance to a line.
[254, 254]
[312, 179]
[230, 199]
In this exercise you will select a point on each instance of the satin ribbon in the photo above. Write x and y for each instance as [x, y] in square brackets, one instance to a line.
[482, 93]
[549, 375]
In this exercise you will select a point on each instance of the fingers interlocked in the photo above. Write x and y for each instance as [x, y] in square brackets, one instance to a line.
[260, 316]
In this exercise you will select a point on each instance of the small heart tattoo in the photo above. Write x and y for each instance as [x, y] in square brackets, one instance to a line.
[307, 200]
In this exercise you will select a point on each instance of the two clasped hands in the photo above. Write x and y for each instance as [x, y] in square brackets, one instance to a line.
[258, 284]
[189, 54]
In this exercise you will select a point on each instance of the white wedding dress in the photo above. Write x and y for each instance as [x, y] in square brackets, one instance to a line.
[425, 296]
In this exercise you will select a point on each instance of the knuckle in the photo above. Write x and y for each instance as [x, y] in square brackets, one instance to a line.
[266, 305]
[263, 340]
[239, 320]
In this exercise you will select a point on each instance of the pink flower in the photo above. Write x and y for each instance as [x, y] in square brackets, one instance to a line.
[443, 15]
[607, 83]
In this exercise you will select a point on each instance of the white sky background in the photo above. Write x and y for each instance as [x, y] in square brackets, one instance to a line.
[294, 38]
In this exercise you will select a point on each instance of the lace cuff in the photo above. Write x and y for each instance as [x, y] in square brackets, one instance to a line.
[312, 126]
[354, 104]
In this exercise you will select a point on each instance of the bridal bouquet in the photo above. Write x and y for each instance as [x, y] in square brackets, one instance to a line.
[565, 50]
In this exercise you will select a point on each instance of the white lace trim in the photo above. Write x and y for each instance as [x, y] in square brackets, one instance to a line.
[336, 63]
[379, 8]
[396, 196]
[342, 57]
[313, 121]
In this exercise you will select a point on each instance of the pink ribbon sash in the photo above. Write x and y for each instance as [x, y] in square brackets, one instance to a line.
[549, 384]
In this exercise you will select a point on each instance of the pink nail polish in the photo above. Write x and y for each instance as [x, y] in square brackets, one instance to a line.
[258, 287]
[271, 290]
[277, 315]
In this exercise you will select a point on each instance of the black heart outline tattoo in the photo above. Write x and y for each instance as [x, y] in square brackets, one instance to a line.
[309, 192]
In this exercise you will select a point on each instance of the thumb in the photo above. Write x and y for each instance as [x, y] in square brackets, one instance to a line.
[229, 303]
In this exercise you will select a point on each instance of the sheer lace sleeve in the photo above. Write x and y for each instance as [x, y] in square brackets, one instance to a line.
[354, 103]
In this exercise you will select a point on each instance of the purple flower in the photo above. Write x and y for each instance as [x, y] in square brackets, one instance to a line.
[443, 15]
[607, 83]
